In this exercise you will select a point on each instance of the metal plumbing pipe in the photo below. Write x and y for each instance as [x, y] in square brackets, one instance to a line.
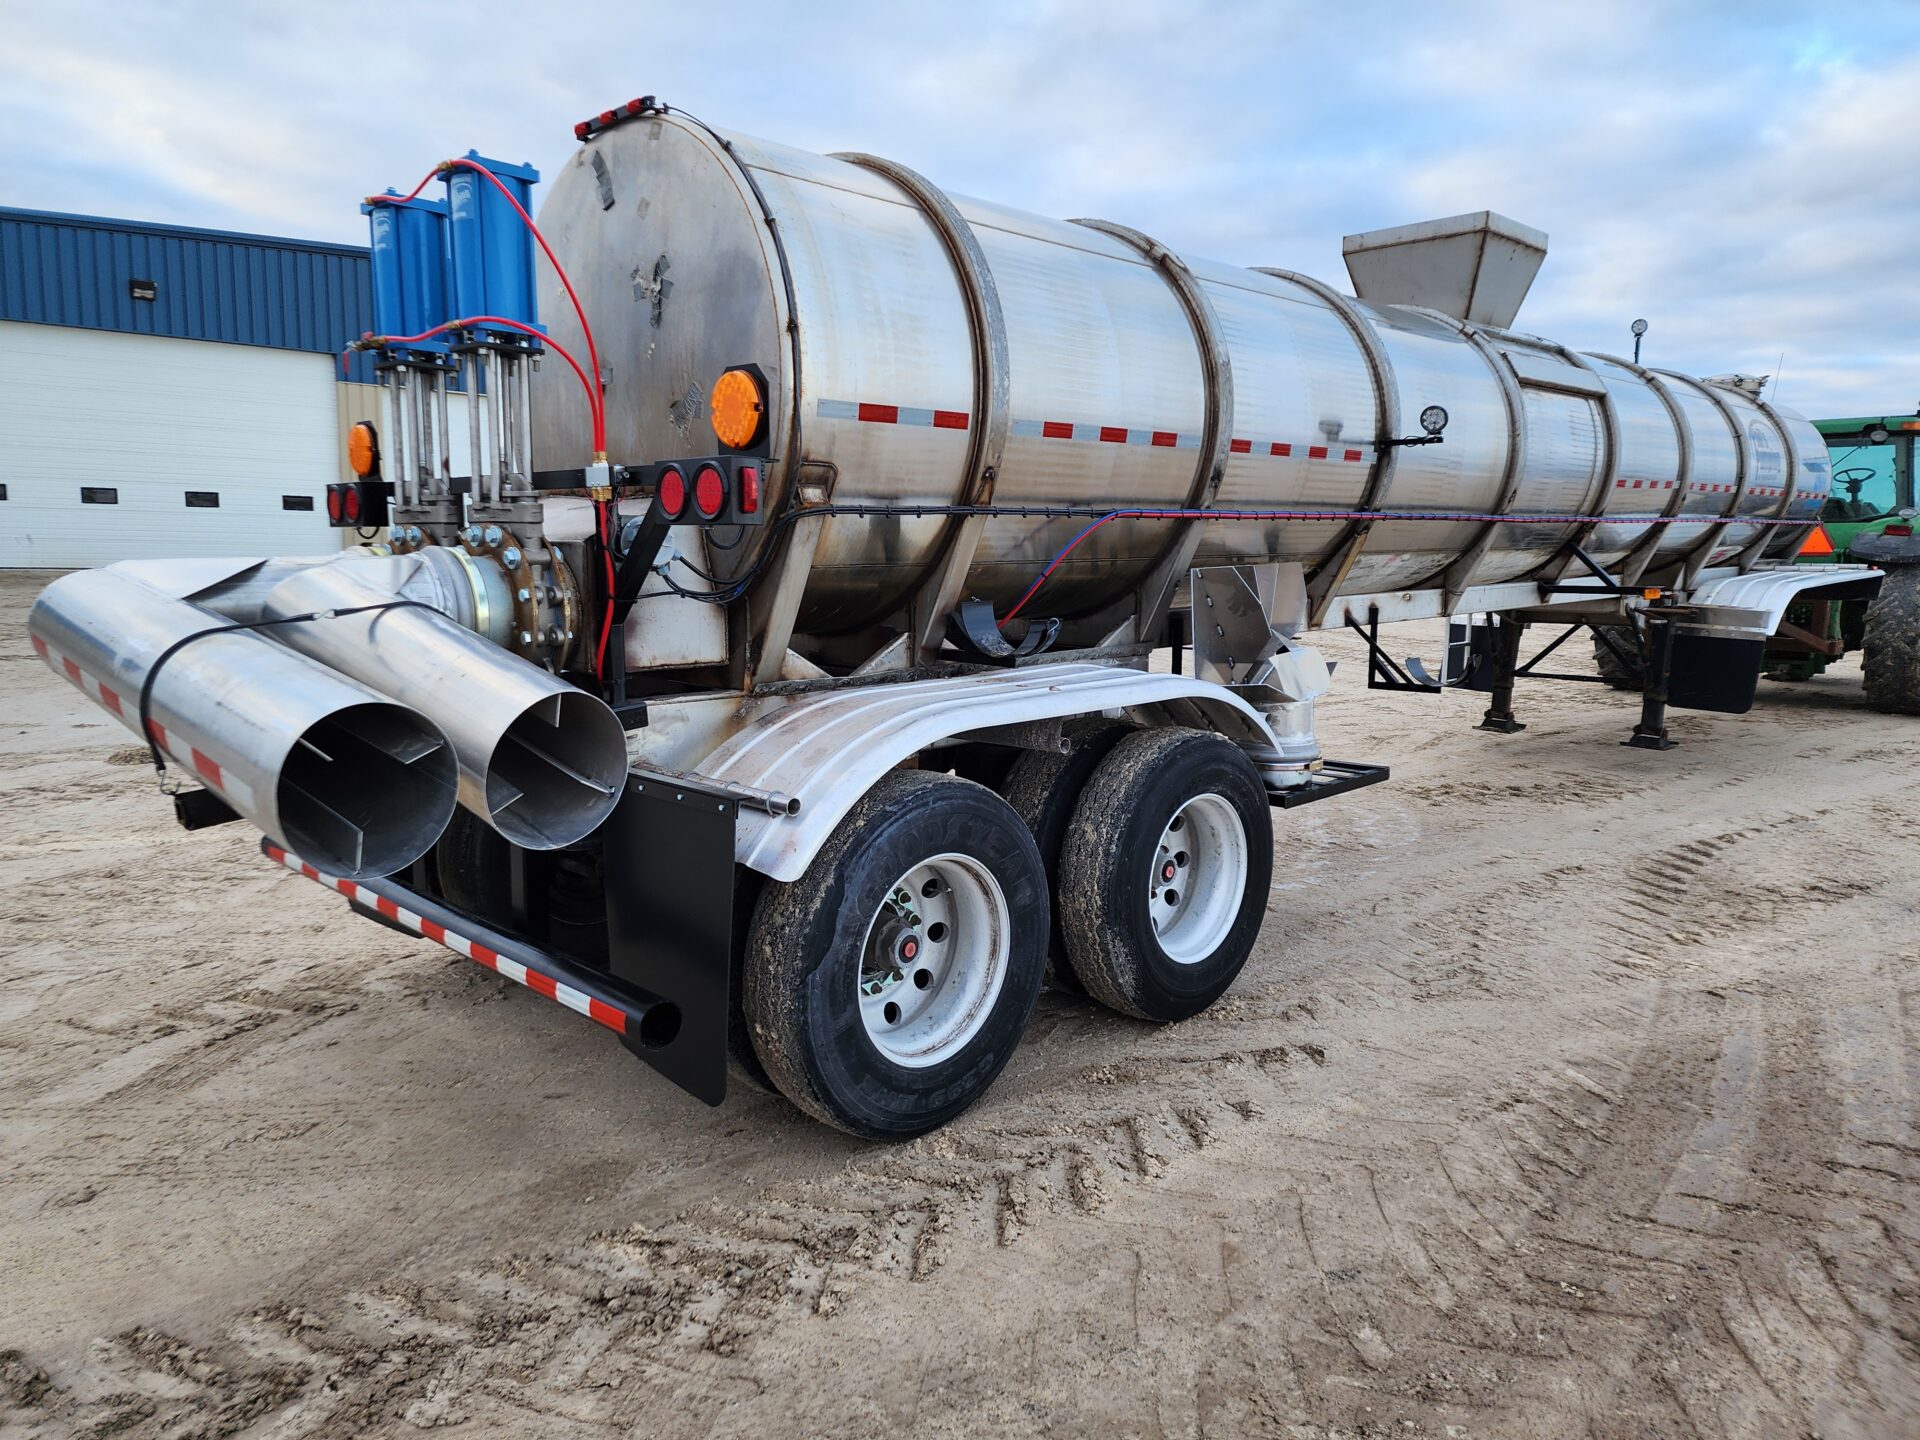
[541, 761]
[328, 768]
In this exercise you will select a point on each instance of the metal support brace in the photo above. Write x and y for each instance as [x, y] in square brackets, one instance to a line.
[1499, 717]
[1651, 732]
[989, 423]
[775, 622]
[1332, 571]
[1383, 671]
[1155, 593]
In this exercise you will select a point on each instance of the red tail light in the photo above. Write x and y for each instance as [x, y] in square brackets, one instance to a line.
[749, 497]
[672, 493]
[709, 492]
[333, 504]
[1901, 530]
[350, 504]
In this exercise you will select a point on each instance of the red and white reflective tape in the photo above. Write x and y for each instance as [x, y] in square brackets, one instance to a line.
[1281, 449]
[596, 1010]
[1104, 434]
[891, 414]
[114, 703]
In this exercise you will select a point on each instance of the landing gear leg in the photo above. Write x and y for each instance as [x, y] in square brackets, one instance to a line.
[1505, 659]
[1651, 732]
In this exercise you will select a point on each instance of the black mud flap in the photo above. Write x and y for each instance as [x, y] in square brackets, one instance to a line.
[1714, 672]
[668, 866]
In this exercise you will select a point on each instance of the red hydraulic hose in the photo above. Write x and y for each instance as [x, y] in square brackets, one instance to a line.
[586, 330]
[469, 321]
[606, 617]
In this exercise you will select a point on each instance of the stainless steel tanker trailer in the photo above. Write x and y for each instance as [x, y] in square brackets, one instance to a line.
[769, 680]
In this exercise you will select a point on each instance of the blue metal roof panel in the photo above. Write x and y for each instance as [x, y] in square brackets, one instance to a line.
[210, 284]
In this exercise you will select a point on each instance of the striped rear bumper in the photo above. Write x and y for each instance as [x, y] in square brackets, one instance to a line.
[645, 1020]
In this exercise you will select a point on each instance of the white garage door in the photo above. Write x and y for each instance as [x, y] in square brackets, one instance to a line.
[117, 447]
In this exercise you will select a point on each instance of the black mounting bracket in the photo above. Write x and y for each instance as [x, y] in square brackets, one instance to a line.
[1608, 585]
[974, 631]
[1386, 673]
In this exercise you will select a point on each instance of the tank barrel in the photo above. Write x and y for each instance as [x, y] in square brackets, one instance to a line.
[339, 774]
[540, 760]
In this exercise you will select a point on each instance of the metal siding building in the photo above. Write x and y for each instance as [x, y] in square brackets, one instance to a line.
[204, 420]
[216, 285]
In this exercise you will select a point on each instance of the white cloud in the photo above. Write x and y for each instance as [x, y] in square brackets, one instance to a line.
[1736, 172]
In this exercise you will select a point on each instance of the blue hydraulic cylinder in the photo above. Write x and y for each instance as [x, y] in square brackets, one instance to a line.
[409, 244]
[491, 246]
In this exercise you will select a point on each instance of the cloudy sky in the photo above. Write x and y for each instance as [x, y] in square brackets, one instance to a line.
[1746, 176]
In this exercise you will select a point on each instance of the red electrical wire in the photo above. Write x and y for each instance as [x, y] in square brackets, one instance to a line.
[586, 330]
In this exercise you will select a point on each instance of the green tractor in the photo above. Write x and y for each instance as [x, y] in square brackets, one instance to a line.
[1868, 519]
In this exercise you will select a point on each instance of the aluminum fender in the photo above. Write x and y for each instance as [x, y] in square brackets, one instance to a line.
[829, 750]
[1755, 602]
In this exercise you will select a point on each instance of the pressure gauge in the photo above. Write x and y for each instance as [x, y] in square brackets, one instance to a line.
[1433, 419]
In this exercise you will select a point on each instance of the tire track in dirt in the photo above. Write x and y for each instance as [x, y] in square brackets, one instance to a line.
[1456, 1234]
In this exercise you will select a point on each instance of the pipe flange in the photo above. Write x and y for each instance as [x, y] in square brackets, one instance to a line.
[543, 609]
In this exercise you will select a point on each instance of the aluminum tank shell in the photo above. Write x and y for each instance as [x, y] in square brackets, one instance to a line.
[1092, 369]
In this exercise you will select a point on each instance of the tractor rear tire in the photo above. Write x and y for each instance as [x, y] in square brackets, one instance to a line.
[1165, 873]
[1890, 649]
[1620, 674]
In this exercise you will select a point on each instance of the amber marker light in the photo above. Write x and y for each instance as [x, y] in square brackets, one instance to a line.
[363, 449]
[738, 409]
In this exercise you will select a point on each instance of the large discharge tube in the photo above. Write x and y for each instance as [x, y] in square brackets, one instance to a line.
[332, 770]
[922, 348]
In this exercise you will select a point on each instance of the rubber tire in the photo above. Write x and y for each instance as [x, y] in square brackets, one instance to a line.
[1620, 677]
[1043, 788]
[1104, 867]
[472, 862]
[1890, 648]
[743, 1061]
[803, 958]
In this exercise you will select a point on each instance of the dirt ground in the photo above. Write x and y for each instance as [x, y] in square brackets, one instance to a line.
[1571, 1091]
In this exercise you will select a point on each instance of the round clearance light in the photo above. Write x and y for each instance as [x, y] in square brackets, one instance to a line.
[672, 492]
[350, 504]
[709, 492]
[1878, 435]
[1433, 419]
[738, 409]
[363, 449]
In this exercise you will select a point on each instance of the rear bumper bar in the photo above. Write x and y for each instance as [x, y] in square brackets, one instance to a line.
[644, 1021]
[666, 989]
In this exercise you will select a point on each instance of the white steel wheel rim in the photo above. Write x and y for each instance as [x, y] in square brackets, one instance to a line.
[933, 960]
[1198, 878]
